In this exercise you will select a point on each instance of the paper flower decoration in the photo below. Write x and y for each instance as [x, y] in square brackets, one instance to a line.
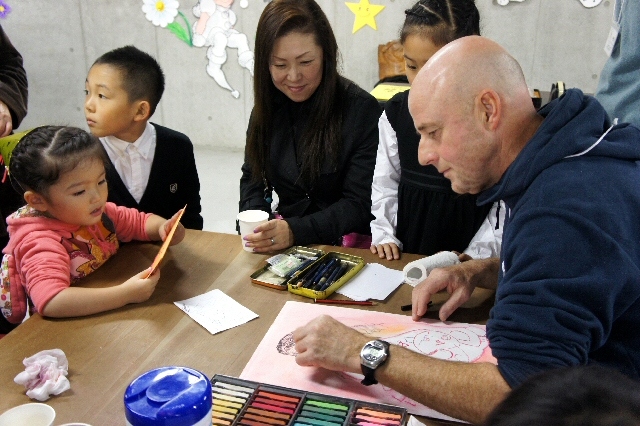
[365, 14]
[4, 9]
[162, 13]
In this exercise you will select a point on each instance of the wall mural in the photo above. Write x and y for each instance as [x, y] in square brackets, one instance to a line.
[365, 14]
[213, 29]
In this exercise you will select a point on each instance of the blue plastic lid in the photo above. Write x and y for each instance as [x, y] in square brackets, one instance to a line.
[168, 396]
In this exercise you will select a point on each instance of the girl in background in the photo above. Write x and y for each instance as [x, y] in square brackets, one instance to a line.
[67, 230]
[414, 206]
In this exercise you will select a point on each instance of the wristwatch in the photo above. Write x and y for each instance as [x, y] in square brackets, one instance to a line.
[372, 356]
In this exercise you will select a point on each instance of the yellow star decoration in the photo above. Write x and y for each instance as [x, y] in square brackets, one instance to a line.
[365, 14]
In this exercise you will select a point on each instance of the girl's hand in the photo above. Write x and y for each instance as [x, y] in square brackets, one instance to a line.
[271, 236]
[388, 250]
[165, 228]
[138, 288]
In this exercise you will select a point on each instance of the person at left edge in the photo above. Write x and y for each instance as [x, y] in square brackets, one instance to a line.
[312, 136]
[153, 168]
[14, 91]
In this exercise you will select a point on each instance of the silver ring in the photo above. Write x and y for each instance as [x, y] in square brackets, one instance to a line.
[273, 241]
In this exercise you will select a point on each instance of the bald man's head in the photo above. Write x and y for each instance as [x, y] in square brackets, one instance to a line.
[471, 105]
[465, 66]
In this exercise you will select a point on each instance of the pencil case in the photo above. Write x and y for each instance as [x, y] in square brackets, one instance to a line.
[351, 264]
[264, 276]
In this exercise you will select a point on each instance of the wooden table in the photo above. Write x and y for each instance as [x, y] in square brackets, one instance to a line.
[108, 350]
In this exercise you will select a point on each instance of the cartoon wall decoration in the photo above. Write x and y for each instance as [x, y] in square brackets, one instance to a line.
[365, 14]
[163, 13]
[590, 3]
[213, 29]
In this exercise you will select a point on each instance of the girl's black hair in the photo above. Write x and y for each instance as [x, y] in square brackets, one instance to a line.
[322, 135]
[441, 21]
[47, 152]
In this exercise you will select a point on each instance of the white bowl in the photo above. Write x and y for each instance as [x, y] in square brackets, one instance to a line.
[32, 414]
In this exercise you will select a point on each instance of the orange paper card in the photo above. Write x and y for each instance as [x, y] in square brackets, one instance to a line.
[165, 245]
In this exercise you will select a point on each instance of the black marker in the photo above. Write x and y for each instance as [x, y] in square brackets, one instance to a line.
[410, 306]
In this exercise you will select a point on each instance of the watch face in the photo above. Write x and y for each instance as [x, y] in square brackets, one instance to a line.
[372, 353]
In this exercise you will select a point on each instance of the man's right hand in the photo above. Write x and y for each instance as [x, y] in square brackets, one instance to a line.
[459, 280]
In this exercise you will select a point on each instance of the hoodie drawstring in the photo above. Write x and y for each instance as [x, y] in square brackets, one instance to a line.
[615, 121]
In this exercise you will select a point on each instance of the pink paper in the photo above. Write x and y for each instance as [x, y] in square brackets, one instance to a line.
[274, 363]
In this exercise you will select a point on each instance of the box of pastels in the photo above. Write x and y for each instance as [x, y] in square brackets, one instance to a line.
[327, 274]
[242, 402]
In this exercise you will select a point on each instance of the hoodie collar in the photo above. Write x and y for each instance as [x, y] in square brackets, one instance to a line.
[572, 124]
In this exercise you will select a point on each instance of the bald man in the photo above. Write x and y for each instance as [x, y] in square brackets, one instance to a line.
[568, 290]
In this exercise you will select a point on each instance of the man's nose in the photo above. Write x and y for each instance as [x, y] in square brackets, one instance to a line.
[426, 153]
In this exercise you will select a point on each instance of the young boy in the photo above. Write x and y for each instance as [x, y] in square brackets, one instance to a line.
[153, 167]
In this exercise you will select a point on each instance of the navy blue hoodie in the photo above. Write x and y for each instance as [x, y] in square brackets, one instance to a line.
[569, 285]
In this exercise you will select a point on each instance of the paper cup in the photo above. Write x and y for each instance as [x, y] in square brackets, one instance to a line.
[76, 424]
[32, 414]
[248, 220]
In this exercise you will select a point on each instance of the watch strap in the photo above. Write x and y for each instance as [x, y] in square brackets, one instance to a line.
[369, 376]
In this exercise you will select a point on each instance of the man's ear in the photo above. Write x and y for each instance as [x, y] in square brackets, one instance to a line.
[143, 111]
[36, 201]
[490, 109]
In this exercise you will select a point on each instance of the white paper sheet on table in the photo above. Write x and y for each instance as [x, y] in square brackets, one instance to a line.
[216, 311]
[374, 281]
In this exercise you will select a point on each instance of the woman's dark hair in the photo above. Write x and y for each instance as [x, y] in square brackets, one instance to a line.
[441, 21]
[573, 396]
[47, 152]
[322, 134]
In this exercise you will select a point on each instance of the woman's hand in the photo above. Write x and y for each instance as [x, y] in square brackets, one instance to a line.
[388, 250]
[271, 236]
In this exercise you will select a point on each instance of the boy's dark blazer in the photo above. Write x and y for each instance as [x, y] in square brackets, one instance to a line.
[173, 181]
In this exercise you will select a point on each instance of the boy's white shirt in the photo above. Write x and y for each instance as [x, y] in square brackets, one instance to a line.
[384, 201]
[133, 160]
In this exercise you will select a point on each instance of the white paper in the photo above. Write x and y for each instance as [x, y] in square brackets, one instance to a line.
[414, 422]
[216, 311]
[374, 281]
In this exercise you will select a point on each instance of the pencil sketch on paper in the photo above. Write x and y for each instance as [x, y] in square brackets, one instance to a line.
[450, 341]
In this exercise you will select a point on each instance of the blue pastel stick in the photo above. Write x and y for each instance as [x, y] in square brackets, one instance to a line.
[337, 275]
[325, 277]
[321, 272]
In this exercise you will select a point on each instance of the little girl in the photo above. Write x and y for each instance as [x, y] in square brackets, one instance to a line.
[67, 230]
[414, 206]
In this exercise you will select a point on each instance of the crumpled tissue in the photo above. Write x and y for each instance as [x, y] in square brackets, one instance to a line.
[45, 374]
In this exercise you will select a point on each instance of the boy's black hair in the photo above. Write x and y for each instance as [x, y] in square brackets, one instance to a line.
[142, 77]
[47, 152]
[574, 396]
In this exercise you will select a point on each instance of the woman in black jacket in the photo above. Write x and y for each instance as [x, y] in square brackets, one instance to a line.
[312, 136]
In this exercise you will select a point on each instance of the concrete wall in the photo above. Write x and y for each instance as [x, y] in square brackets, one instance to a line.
[59, 40]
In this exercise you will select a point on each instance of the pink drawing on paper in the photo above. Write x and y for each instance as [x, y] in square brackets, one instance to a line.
[274, 360]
